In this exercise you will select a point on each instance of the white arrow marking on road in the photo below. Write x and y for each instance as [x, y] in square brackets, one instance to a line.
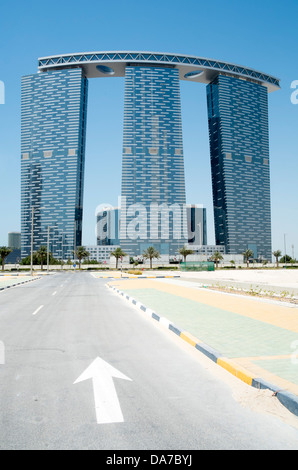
[107, 405]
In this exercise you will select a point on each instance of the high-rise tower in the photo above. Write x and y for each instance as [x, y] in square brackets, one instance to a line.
[239, 148]
[153, 185]
[53, 140]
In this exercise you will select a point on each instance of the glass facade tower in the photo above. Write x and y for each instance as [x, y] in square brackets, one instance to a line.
[239, 148]
[153, 183]
[52, 160]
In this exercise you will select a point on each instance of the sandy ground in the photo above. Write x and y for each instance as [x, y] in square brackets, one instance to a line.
[287, 278]
[259, 401]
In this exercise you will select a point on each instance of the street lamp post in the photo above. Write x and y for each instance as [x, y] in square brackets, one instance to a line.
[75, 243]
[62, 250]
[32, 226]
[48, 249]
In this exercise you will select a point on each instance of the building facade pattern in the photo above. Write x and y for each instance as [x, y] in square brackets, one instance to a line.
[153, 162]
[52, 160]
[239, 148]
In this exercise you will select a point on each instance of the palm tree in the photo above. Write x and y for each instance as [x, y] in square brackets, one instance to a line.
[4, 252]
[118, 253]
[247, 254]
[286, 259]
[185, 252]
[150, 254]
[81, 254]
[42, 254]
[217, 256]
[276, 254]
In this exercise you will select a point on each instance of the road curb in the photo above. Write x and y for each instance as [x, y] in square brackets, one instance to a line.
[135, 277]
[287, 399]
[19, 283]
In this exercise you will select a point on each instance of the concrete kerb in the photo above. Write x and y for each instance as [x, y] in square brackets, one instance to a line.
[135, 277]
[287, 399]
[19, 283]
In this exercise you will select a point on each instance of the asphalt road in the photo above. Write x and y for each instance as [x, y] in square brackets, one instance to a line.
[54, 328]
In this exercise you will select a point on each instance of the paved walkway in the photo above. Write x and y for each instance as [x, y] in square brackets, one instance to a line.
[256, 338]
[126, 275]
[10, 281]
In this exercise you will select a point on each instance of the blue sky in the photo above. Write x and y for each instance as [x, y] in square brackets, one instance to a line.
[257, 34]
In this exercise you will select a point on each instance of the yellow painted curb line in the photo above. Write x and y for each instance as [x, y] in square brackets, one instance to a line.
[189, 338]
[236, 370]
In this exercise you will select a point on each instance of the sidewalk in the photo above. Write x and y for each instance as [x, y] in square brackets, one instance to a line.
[126, 275]
[7, 281]
[254, 339]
